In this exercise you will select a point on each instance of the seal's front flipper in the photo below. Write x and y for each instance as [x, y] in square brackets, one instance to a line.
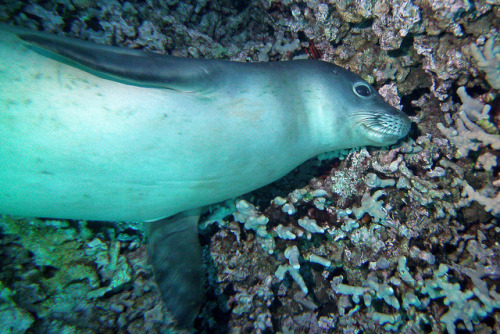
[129, 66]
[175, 253]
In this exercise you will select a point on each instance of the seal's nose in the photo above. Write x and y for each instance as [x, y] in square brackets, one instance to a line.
[394, 123]
[401, 123]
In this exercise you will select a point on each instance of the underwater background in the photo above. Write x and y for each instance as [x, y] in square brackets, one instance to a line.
[401, 239]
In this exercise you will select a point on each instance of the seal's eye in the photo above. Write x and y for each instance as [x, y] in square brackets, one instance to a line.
[362, 89]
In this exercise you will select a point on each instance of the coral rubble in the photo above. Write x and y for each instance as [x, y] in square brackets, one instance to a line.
[401, 239]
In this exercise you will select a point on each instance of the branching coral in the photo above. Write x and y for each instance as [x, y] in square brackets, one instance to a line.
[474, 109]
[489, 61]
[253, 284]
[246, 213]
[371, 205]
[491, 204]
[469, 136]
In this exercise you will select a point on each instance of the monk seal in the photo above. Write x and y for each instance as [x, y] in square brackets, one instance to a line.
[102, 133]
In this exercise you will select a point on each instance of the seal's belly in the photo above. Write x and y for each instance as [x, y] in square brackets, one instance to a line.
[73, 145]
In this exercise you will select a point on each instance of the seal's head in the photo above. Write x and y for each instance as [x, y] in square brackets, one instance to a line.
[374, 119]
[357, 115]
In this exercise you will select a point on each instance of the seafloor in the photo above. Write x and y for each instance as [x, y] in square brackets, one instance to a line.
[399, 239]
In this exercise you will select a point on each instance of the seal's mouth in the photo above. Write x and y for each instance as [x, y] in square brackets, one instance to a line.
[384, 127]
